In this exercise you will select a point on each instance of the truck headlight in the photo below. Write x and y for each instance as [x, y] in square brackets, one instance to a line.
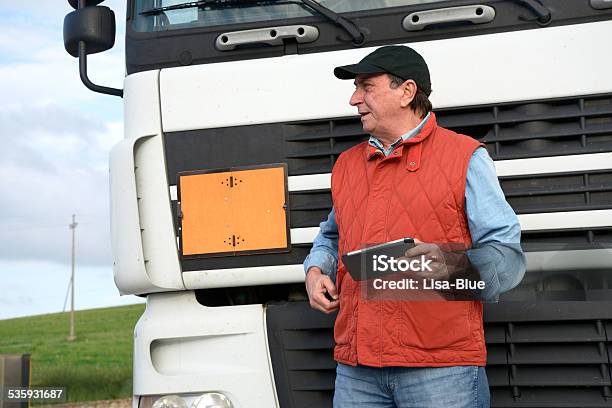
[205, 400]
[170, 401]
[212, 400]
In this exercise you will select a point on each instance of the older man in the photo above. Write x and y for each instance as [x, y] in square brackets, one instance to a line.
[416, 179]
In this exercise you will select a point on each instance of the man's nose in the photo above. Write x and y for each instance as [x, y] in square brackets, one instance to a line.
[356, 98]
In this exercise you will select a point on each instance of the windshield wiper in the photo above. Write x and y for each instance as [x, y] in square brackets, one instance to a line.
[348, 26]
[544, 14]
[351, 28]
[180, 6]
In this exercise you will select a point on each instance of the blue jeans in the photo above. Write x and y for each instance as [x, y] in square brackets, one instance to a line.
[411, 387]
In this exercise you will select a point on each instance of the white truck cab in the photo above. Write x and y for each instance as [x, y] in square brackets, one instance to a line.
[233, 121]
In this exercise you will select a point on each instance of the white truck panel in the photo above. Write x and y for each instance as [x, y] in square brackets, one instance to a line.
[258, 275]
[555, 164]
[128, 259]
[158, 239]
[141, 105]
[195, 97]
[569, 260]
[183, 347]
[144, 249]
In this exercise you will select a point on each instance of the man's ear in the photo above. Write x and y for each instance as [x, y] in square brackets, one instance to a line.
[409, 88]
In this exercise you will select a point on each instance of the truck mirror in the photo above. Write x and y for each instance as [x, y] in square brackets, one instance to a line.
[95, 26]
[75, 3]
[88, 30]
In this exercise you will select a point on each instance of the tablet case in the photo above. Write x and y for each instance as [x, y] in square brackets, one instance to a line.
[359, 263]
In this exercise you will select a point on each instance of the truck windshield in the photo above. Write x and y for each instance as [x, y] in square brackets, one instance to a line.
[225, 12]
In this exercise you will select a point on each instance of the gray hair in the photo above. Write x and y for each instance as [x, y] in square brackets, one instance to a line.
[420, 103]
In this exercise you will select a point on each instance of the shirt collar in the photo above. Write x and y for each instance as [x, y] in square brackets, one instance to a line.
[411, 133]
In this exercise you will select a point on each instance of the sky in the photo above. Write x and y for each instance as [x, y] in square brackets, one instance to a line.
[56, 137]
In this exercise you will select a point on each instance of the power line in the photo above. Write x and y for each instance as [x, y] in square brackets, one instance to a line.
[71, 336]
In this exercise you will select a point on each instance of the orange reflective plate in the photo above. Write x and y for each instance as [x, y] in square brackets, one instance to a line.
[234, 211]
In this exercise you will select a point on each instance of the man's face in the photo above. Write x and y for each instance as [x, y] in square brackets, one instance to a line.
[378, 104]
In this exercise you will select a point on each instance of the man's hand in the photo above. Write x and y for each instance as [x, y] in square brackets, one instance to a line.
[439, 269]
[317, 285]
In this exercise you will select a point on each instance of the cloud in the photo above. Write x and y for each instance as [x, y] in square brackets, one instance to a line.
[54, 163]
[56, 137]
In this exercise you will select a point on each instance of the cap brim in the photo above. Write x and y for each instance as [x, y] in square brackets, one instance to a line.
[351, 71]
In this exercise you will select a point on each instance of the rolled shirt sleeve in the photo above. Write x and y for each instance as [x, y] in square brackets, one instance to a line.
[494, 227]
[324, 252]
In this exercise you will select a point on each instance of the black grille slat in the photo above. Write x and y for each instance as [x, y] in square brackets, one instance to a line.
[497, 375]
[311, 360]
[320, 205]
[540, 111]
[556, 240]
[571, 376]
[552, 132]
[557, 112]
[542, 332]
[565, 190]
[321, 130]
[309, 208]
[586, 190]
[311, 152]
[497, 354]
[556, 202]
[305, 167]
[303, 219]
[458, 119]
[313, 380]
[307, 339]
[535, 130]
[551, 353]
[548, 111]
[496, 334]
[567, 182]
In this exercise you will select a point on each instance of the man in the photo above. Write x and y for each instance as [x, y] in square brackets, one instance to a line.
[411, 179]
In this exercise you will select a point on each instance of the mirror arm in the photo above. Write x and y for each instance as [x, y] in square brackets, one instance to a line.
[85, 78]
[83, 68]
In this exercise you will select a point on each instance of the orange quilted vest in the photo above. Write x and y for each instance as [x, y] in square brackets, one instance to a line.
[417, 191]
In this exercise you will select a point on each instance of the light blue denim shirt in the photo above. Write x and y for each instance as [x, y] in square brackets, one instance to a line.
[494, 227]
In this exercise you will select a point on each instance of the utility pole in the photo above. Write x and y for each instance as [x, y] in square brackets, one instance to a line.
[71, 336]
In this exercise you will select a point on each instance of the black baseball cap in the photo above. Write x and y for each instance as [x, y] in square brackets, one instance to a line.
[398, 60]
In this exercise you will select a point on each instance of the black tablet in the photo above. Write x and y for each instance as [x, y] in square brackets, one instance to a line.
[376, 261]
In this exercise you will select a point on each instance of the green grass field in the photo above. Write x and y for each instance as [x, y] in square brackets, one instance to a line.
[96, 366]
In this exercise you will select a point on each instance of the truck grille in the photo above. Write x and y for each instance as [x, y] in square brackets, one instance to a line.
[546, 355]
[510, 131]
